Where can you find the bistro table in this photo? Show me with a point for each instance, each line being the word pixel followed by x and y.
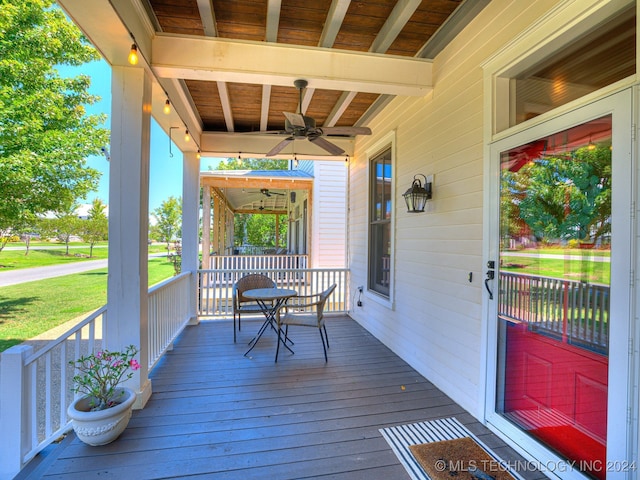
pixel 270 300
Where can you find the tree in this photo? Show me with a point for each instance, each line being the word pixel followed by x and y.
pixel 96 227
pixel 252 164
pixel 65 225
pixel 568 199
pixel 168 221
pixel 45 134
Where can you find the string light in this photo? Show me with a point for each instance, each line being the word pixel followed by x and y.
pixel 167 107
pixel 187 137
pixel 198 154
pixel 133 54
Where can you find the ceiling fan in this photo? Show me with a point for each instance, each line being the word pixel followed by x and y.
pixel 297 125
pixel 266 192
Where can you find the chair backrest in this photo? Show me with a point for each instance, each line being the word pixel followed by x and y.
pixel 249 282
pixel 323 300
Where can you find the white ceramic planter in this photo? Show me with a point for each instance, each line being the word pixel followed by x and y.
pixel 103 426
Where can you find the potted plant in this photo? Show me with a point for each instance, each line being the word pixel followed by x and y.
pixel 102 414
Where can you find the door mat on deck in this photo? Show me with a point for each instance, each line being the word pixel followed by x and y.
pixel 444 449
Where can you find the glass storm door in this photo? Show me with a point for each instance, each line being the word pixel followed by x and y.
pixel 560 243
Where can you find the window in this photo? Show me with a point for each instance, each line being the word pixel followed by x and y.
pixel 599 57
pixel 380 215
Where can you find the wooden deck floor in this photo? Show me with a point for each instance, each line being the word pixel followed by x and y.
pixel 217 414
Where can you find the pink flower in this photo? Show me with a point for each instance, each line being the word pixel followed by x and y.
pixel 134 364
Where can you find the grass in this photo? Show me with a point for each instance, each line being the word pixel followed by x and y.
pixel 16 259
pixel 569 269
pixel 55 254
pixel 29 309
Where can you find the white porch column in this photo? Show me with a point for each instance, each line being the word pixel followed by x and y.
pixel 190 216
pixel 206 227
pixel 127 292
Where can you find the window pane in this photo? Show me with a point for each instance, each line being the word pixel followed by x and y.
pixel 380 224
pixel 553 300
pixel 380 262
pixel 599 58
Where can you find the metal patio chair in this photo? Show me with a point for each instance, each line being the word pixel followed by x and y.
pixel 305 311
pixel 241 304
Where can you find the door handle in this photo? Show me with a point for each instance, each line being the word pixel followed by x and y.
pixel 490 276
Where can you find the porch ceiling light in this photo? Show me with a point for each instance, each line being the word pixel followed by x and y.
pixel 133 54
pixel 417 195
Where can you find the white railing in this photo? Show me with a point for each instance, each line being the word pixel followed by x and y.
pixel 576 312
pixel 168 314
pixel 35 384
pixel 35 391
pixel 257 262
pixel 215 287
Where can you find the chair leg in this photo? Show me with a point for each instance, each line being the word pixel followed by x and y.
pixel 324 347
pixel 324 326
pixel 234 327
pixel 278 342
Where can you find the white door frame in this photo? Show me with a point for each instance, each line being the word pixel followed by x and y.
pixel 621 384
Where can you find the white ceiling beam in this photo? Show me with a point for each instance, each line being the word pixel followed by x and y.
pixel 226 105
pixel 215 59
pixel 307 94
pixel 333 22
pixel 205 7
pixel 341 105
pixel 396 21
pixel 271 35
pixel 264 108
pixel 273 20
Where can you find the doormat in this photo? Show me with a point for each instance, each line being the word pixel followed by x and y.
pixel 402 437
pixel 461 458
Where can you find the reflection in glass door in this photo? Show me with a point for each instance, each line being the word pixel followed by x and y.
pixel 554 290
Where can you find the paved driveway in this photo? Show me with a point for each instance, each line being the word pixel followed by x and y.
pixel 13 277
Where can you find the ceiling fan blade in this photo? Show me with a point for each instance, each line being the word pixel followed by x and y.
pixel 295 119
pixel 266 132
pixel 346 130
pixel 326 145
pixel 275 150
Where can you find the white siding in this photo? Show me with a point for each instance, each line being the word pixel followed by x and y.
pixel 436 321
pixel 328 230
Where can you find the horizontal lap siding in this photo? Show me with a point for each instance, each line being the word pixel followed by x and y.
pixel 329 229
pixel 436 321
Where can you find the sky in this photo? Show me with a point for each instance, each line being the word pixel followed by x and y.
pixel 165 173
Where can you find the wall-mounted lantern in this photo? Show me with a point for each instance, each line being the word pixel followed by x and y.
pixel 417 196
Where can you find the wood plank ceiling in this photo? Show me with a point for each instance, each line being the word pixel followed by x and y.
pixel 389 27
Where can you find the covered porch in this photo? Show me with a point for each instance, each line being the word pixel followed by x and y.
pixel 217 414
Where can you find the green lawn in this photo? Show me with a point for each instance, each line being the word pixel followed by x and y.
pixel 16 259
pixel 28 309
pixel 55 254
pixel 583 269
